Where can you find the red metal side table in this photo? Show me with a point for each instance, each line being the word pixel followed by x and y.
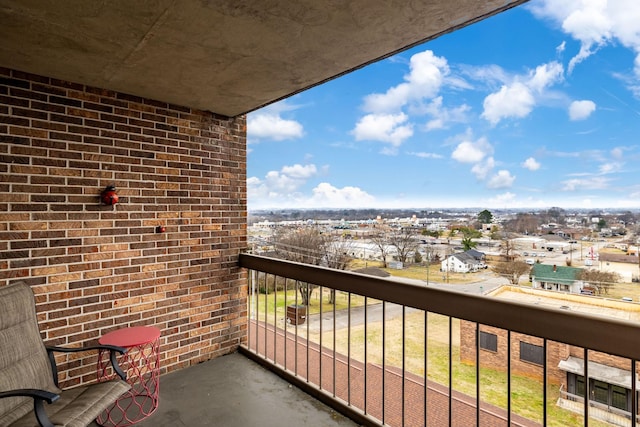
pixel 141 362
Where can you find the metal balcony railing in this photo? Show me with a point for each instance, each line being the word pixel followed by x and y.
pixel 388 353
pixel 607 413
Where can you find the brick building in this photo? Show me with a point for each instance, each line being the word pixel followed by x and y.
pixel 609 376
pixel 96 267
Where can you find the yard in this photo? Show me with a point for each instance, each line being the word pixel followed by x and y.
pixel 526 393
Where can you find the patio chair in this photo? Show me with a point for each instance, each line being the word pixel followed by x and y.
pixel 29 376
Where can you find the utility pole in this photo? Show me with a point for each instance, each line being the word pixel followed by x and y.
pixel 428 266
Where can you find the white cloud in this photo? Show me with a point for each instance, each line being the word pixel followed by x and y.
pixel 580 110
pixel 492 74
pixel 518 98
pixel 299 171
pixel 482 169
pixel 442 116
pixel 425 155
pixel 326 195
pixel 531 164
pixel 472 152
pixel 617 153
pixel 390 128
pixel 504 199
pixel 595 23
pixel 608 168
pixel 593 183
pixel 503 179
pixel 545 75
pixel 510 101
pixel 426 76
pixel 277 184
pixel 268 125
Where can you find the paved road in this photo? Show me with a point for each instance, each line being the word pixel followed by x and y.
pixel 375 311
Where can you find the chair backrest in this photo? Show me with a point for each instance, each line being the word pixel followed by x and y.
pixel 23 358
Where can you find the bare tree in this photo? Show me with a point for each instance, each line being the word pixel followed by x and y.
pixel 507 250
pixel 511 270
pixel 310 246
pixel 405 242
pixel 523 223
pixel 381 240
pixel 304 245
pixel 337 257
pixel 601 280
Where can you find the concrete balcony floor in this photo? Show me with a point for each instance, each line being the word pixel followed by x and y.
pixel 234 391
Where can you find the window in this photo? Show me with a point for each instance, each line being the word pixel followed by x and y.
pixel 531 353
pixel 619 398
pixel 579 385
pixel 488 341
pixel 602 392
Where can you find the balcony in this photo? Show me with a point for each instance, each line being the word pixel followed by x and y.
pixel 233 391
pixel 411 329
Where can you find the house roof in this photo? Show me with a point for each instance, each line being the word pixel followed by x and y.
pixel 475 253
pixel 466 258
pixel 225 56
pixel 554 274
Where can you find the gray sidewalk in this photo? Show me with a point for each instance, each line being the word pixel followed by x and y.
pixel 234 391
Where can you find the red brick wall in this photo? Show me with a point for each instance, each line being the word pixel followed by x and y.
pixel 498 360
pixel 556 352
pixel 95 268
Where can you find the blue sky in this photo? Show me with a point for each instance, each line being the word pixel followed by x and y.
pixel 533 108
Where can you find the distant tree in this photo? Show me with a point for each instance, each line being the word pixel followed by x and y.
pixel 627 217
pixel 468 244
pixel 469 232
pixel 304 245
pixel 495 233
pixel 431 233
pixel 602 223
pixel 507 250
pixel 485 217
pixel 527 223
pixel 511 270
pixel 601 280
pixel 405 242
pixel 555 214
pixel 381 240
pixel 337 256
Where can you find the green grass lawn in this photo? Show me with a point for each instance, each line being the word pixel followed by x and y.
pixel 280 300
pixel 526 393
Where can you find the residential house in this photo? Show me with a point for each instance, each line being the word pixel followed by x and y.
pixel 464 262
pixel 556 278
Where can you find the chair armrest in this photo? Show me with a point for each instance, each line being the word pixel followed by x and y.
pixel 35 393
pixel 39 397
pixel 113 351
pixel 120 350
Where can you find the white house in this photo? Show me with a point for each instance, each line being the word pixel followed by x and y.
pixel 464 262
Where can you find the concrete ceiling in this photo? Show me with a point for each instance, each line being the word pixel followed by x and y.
pixel 226 56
